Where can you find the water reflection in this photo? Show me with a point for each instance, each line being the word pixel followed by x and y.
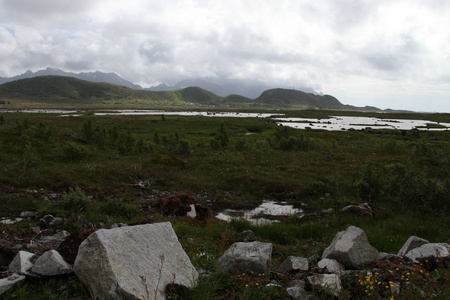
pixel 334 123
pixel 260 214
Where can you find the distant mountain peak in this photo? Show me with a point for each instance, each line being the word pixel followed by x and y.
pixel 96 76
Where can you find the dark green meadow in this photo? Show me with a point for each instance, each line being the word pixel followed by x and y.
pixel 237 163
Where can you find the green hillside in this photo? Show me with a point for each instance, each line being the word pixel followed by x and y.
pixel 58 91
pixel 285 98
pixel 66 90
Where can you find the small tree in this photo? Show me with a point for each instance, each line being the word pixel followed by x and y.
pixel 2 119
pixel 222 136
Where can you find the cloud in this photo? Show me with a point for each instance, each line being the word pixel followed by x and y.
pixel 344 48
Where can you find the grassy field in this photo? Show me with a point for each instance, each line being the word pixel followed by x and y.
pixel 236 162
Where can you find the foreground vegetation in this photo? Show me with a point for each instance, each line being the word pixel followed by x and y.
pixel 105 168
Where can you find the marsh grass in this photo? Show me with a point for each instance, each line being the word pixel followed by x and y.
pixel 407 178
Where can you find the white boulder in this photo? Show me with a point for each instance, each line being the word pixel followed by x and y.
pixel 134 262
pixel 22 263
pixel 429 250
pixel 352 249
pixel 249 258
pixel 412 243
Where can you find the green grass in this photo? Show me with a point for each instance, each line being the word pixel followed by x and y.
pixel 406 177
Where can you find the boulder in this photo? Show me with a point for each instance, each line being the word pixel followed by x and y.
pixel 249 258
pixel 293 263
pixel 412 243
pixel 22 263
pixel 133 262
pixel 351 248
pixel 332 265
pixel 51 263
pixel 429 250
pixel 10 281
pixel 331 283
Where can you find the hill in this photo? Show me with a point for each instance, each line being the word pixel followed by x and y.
pixel 286 98
pixel 59 90
pixel 96 76
pixel 64 90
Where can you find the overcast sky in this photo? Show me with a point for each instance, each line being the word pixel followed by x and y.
pixel 385 53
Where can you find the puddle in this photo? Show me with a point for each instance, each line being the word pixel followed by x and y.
pixel 358 123
pixel 258 216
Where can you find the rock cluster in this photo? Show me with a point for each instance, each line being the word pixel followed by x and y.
pixel 349 252
pixel 140 261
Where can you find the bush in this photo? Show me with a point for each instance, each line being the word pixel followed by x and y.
pixel 74 200
pixel 74 152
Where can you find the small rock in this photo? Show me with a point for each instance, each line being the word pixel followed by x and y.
pixel 22 262
pixel 36 229
pixel 332 265
pixel 57 222
pixel 330 282
pixel 248 235
pixel 293 263
pixel 412 243
pixel 51 263
pixel 298 293
pixel 7 283
pixel 28 214
pixel 47 219
pixel 360 209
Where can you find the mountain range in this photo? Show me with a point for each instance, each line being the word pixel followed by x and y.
pixel 221 87
pixel 56 86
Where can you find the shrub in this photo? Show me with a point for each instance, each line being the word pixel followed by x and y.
pixel 74 200
pixel 74 152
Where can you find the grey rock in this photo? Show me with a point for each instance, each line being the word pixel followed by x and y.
pixel 429 250
pixel 297 283
pixel 45 220
pixel 49 242
pixel 332 265
pixel 299 293
pixel 8 282
pixel 22 262
pixel 36 229
pixel 330 282
pixel 133 262
pixel 293 263
pixel 28 214
pixel 57 222
pixel 412 243
pixel 351 248
pixel 248 235
pixel 359 209
pixel 51 263
pixel 253 257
